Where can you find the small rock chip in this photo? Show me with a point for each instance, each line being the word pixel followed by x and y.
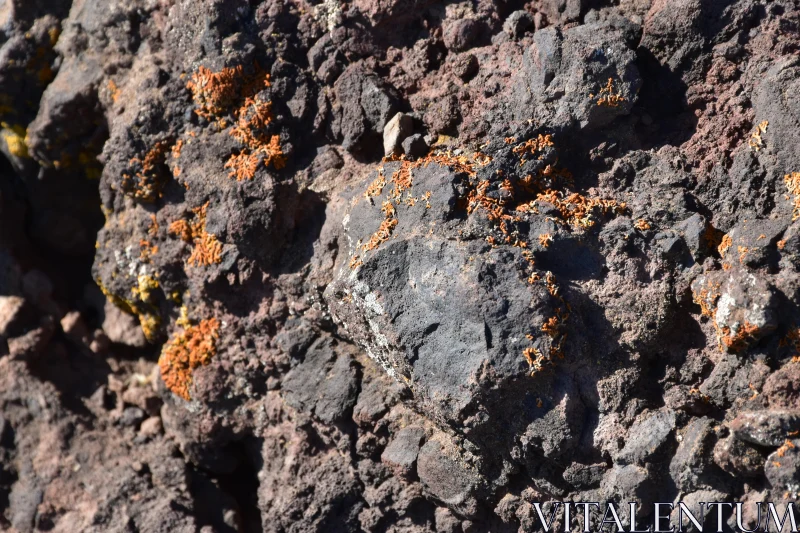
pixel 122 328
pixel 74 327
pixel 395 131
pixel 466 66
pixel 151 427
pixel 11 314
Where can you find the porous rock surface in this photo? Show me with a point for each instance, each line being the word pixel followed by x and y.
pixel 574 276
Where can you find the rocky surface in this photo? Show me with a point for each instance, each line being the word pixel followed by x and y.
pixel 395 266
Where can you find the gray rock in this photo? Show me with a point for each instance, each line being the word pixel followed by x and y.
pixel 565 77
pixel 395 131
pixel 783 467
pixel 415 146
pixel 461 34
pixel 738 458
pixel 402 451
pixel 31 345
pixel 446 477
pixel 629 483
pixel 766 428
pixel 23 502
pixel 367 104
pixel 324 384
pixel 518 23
pixel 583 476
pixel 647 437
pixel 132 416
pixel 691 463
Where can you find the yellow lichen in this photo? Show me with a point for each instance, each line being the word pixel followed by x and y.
pixel 15 138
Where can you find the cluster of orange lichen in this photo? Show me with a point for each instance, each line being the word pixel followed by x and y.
pixel 113 91
pixel 707 297
pixel 724 245
pixel 215 93
pixel 641 225
pixel 607 96
pixel 533 146
pixel 575 208
pixel 207 249
pixel 740 339
pixel 176 154
pixel 785 447
pixel 147 180
pixel 756 142
pixel 189 350
pixel 250 130
pixel 385 230
pixel 792 182
pixel 402 183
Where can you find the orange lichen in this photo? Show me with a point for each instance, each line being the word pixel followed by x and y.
pixel 113 91
pixel 641 225
pixel 534 358
pixel 253 118
pixel 551 326
pixel 756 142
pixel 243 166
pixel 376 187
pixel 607 96
pixel 147 250
pixel 575 208
pixel 725 245
pixel 743 250
pixel 785 447
pixel 740 339
pixel 792 340
pixel 545 239
pixel 147 181
pixel 189 350
pixel 382 235
pixel 793 184
pixel 707 298
pixel 182 229
pixel 176 149
pixel 207 249
pixel 214 92
pixel 534 146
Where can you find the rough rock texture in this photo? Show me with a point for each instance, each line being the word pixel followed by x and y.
pixel 573 276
